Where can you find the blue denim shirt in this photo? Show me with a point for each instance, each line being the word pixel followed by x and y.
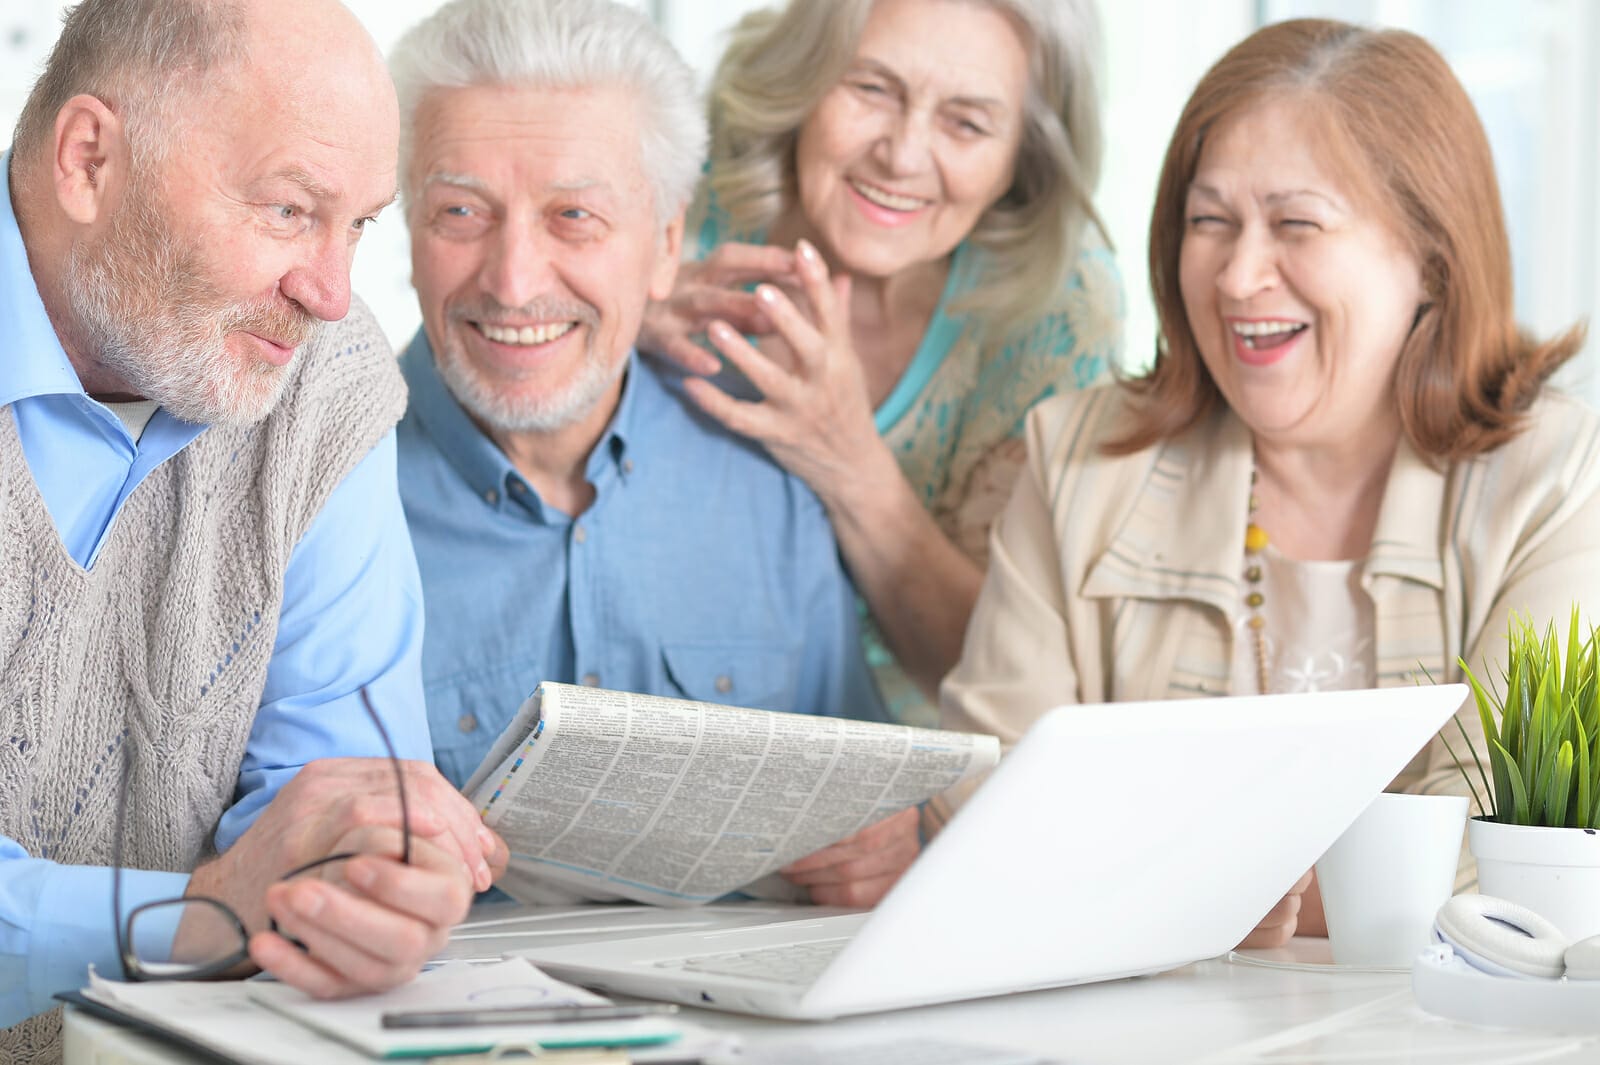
pixel 701 570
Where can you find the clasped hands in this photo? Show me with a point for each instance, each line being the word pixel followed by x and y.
pixel 370 923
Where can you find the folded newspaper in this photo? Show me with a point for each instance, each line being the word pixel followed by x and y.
pixel 678 803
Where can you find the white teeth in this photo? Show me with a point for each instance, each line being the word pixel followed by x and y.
pixel 1264 329
pixel 528 335
pixel 885 198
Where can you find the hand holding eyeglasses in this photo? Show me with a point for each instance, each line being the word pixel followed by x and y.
pixel 371 925
pixel 369 922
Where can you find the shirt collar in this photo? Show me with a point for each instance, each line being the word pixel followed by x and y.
pixel 475 457
pixel 1405 542
pixel 1200 482
pixel 35 363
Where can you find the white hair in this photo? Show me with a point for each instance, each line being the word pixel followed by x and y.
pixel 560 45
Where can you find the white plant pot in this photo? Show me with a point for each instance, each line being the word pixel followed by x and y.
pixel 1555 872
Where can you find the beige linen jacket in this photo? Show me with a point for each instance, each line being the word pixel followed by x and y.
pixel 1117 578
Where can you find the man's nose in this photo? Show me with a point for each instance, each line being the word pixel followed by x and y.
pixel 517 267
pixel 320 282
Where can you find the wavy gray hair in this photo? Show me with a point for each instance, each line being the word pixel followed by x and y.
pixel 780 63
pixel 137 57
pixel 560 44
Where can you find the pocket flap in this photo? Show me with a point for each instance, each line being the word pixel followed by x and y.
pixel 763 676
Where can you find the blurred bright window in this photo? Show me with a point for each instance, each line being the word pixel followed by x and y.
pixel 1532 67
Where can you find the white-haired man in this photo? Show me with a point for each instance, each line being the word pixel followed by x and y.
pixel 203 562
pixel 575 519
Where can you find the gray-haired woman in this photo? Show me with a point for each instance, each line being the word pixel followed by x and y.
pixel 908 182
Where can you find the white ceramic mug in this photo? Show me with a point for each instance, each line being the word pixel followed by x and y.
pixel 1383 881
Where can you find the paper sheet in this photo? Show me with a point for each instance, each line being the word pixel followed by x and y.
pixel 461 986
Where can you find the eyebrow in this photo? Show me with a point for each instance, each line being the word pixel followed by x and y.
pixel 478 185
pixel 457 181
pixel 1273 198
pixel 1276 198
pixel 302 179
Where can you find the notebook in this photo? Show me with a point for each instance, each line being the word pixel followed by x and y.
pixel 1113 841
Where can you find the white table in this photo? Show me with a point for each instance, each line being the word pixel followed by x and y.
pixel 1217 1012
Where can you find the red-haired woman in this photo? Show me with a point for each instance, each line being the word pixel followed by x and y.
pixel 1345 467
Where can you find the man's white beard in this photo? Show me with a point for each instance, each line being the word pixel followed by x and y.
pixel 526 414
pixel 148 313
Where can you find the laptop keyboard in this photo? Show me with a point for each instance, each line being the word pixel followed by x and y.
pixel 791 963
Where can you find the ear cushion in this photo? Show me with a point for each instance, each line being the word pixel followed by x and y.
pixel 1476 926
pixel 1583 959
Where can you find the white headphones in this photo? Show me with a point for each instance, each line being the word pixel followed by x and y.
pixel 1503 939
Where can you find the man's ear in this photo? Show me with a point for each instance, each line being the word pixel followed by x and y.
pixel 667 258
pixel 89 161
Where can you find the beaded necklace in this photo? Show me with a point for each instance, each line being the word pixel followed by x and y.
pixel 1255 542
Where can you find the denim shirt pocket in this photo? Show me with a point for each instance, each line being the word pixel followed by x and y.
pixel 467 711
pixel 760 675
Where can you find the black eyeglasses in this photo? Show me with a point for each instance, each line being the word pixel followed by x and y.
pixel 195 937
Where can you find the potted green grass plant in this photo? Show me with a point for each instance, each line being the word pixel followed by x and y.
pixel 1537 841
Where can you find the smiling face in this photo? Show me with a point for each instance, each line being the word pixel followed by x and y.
pixel 535 246
pixel 901 158
pixel 218 264
pixel 1299 296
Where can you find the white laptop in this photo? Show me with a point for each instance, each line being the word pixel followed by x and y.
pixel 1113 841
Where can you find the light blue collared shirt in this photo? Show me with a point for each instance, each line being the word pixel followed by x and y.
pixel 701 570
pixel 351 616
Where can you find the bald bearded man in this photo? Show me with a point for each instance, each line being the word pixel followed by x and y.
pixel 204 569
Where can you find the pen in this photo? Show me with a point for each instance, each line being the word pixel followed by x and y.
pixel 597 1011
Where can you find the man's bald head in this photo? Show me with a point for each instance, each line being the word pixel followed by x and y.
pixel 139 57
pixel 152 62
pixel 193 276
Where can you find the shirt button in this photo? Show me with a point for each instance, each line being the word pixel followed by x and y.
pixel 627 465
pixel 468 723
pixel 517 488
pixel 724 684
pixel 579 533
pixel 592 680
pixel 491 497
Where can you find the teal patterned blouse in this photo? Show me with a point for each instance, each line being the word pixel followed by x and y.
pixel 954 420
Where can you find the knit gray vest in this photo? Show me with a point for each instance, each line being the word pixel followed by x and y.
pixel 163 646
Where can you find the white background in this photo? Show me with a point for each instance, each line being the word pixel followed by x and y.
pixel 1532 66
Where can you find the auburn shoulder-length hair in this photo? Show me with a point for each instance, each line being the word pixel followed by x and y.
pixel 781 61
pixel 1410 144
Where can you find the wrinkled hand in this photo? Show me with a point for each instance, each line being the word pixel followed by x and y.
pixel 860 870
pixel 815 417
pixel 340 805
pixel 1280 923
pixel 710 290
pixel 369 927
